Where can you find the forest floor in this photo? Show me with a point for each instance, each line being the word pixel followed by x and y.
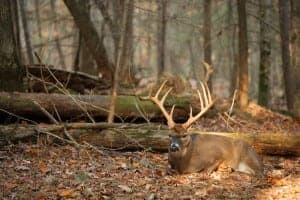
pixel 36 171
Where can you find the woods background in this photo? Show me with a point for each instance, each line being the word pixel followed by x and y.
pixel 252 46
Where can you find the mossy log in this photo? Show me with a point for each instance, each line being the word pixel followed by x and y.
pixel 142 136
pixel 78 106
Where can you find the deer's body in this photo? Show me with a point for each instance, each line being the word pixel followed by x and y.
pixel 197 153
pixel 194 152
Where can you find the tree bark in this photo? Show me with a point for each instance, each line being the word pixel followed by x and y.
pixel 207 37
pixel 26 32
pixel 265 53
pixel 161 36
pixel 284 14
pixel 84 61
pixel 11 74
pixel 142 136
pixel 91 37
pixel 243 54
pixel 295 53
pixel 233 49
pixel 38 19
pixel 127 50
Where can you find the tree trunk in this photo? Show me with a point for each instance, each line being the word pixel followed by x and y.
pixel 243 54
pixel 57 39
pixel 142 136
pixel 295 53
pixel 80 106
pixel 115 86
pixel 127 51
pixel 26 32
pixel 38 19
pixel 284 13
pixel 233 49
pixel 161 36
pixel 91 37
pixel 265 53
pixel 112 24
pixel 84 60
pixel 16 30
pixel 11 74
pixel 207 37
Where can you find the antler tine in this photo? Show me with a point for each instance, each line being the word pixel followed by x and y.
pixel 160 88
pixel 201 101
pixel 191 112
pixel 160 103
pixel 208 93
pixel 165 96
pixel 206 101
pixel 205 105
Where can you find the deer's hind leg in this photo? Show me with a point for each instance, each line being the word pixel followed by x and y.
pixel 214 166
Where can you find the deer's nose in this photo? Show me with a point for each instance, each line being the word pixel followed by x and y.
pixel 174 147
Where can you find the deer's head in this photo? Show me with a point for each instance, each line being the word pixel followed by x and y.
pixel 179 138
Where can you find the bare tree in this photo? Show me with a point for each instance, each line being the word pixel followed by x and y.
pixel 295 53
pixel 265 53
pixel 26 31
pixel 38 18
pixel 91 37
pixel 115 86
pixel 285 14
pixel 11 75
pixel 243 54
pixel 57 40
pixel 207 36
pixel 233 48
pixel 127 51
pixel 84 61
pixel 161 36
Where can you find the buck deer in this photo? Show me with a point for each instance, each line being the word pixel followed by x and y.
pixel 190 152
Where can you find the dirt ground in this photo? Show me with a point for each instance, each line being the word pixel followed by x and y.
pixel 36 171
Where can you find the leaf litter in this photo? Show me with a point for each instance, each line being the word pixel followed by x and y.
pixel 54 173
pixel 33 171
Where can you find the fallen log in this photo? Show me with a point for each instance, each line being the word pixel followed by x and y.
pixel 142 136
pixel 78 106
pixel 77 81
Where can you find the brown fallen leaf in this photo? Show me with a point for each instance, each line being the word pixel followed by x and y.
pixel 10 185
pixel 67 193
pixel 43 168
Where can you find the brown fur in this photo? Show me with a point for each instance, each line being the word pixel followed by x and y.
pixel 206 152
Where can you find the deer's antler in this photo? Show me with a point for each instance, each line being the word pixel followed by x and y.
pixel 205 105
pixel 160 104
pixel 206 102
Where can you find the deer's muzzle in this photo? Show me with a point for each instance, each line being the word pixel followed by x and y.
pixel 174 147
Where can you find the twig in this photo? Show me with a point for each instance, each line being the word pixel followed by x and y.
pixel 94 148
pixel 71 138
pixel 18 116
pixel 65 92
pixel 52 119
pixel 226 121
pixel 141 113
pixel 232 103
